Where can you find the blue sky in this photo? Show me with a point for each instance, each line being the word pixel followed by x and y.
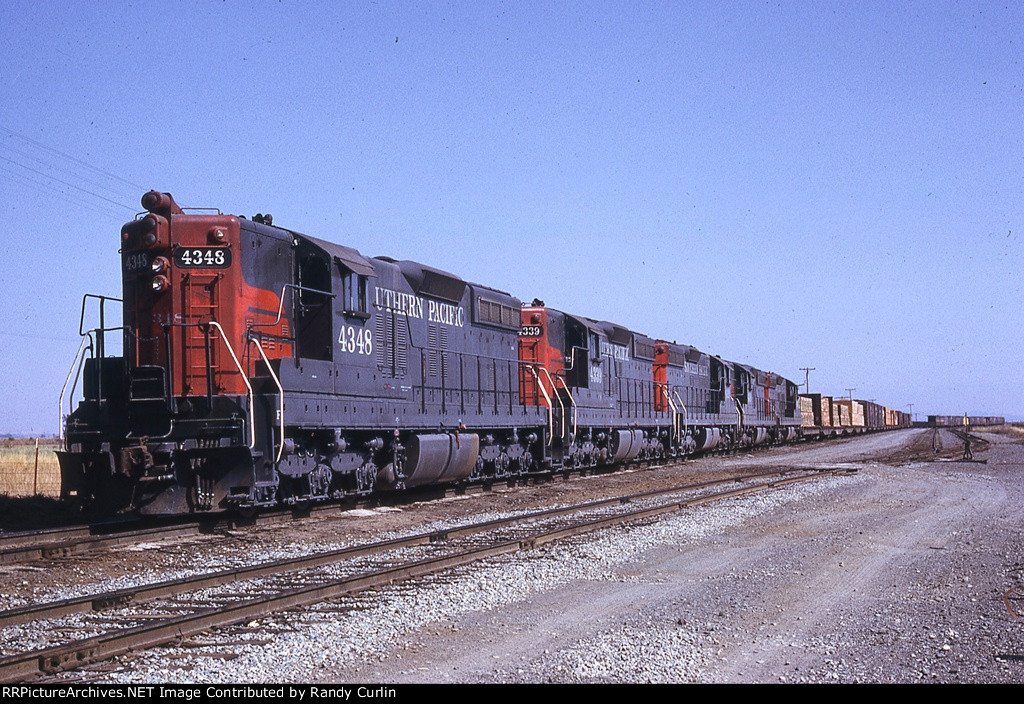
pixel 797 184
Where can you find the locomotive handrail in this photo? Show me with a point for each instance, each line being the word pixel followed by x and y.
pixel 95 346
pixel 102 300
pixel 98 344
pixel 241 372
pixel 76 364
pixel 280 308
pixel 81 318
pixel 686 425
pixel 569 393
pixel 675 411
pixel 572 357
pixel 280 450
pixel 557 398
pixel 551 417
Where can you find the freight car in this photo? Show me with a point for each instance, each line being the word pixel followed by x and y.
pixel 816 414
pixel 260 366
pixel 964 420
pixel 825 416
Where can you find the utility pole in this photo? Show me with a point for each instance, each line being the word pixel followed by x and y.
pixel 850 392
pixel 807 378
pixel 911 412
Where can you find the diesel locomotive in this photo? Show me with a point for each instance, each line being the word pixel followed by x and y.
pixel 259 366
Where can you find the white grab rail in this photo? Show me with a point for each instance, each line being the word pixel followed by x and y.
pixel 252 404
pixel 675 420
pixel 686 422
pixel 557 398
pixel 280 450
pixel 551 417
pixel 573 401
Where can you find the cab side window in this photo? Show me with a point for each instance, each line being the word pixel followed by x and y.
pixel 354 296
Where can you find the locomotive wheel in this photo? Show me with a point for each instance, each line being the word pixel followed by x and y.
pixel 501 463
pixel 478 469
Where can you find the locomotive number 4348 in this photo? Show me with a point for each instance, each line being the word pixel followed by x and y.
pixel 355 340
pixel 203 257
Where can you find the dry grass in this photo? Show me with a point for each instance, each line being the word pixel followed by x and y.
pixel 1014 431
pixel 22 474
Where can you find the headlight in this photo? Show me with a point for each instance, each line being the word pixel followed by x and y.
pixel 160 283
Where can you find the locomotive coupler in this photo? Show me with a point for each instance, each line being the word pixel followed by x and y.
pixel 135 459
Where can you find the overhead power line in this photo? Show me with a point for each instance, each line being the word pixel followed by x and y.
pixel 51 170
pixel 72 158
pixel 47 187
pixel 66 183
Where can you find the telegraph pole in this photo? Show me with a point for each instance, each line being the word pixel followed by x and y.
pixel 850 392
pixel 807 378
pixel 911 412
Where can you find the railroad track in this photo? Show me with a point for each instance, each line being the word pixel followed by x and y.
pixel 180 608
pixel 55 543
pixel 976 442
pixel 964 435
pixel 67 541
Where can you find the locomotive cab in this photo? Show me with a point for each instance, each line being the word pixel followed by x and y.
pixel 170 426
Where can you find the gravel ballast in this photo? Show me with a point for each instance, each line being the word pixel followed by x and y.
pixel 894 574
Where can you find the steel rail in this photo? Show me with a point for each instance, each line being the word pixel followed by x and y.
pixel 36 537
pixel 22 666
pixel 964 434
pixel 61 542
pixel 172 587
pixel 78 542
pixel 49 543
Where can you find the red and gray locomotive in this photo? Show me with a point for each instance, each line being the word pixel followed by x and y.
pixel 260 366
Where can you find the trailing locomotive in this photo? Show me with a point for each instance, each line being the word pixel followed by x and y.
pixel 261 366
